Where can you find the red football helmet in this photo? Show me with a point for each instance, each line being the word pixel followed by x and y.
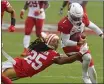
pixel 52 40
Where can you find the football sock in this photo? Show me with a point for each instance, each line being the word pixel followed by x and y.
pixel 92 74
pixel 26 41
pixel 85 64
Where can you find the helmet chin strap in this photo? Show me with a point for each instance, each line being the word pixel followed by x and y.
pixel 77 23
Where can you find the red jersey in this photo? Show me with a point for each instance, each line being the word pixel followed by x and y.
pixel 66 27
pixel 34 63
pixel 4 5
pixel 33 6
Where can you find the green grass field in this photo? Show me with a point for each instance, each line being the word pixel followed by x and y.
pixel 70 73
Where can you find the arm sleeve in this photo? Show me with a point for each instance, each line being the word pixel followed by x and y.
pixel 66 60
pixel 64 4
pixel 66 41
pixel 26 5
pixel 95 28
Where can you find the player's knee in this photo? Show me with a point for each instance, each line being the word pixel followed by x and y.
pixel 87 57
pixel 27 33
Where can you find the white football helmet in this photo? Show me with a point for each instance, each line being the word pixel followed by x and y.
pixel 75 13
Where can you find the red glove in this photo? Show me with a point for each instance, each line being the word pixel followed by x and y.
pixel 11 28
pixel 37 12
pixel 22 13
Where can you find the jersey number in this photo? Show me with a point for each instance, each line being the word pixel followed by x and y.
pixel 33 3
pixel 37 64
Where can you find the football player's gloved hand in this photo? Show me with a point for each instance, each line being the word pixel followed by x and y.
pixel 61 11
pixel 84 48
pixel 11 28
pixel 22 13
pixel 81 42
pixel 102 36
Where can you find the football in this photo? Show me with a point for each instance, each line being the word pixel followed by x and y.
pixel 77 36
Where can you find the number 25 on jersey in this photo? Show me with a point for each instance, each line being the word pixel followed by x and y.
pixel 35 60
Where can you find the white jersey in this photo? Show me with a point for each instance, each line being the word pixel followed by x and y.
pixel 77 1
pixel 34 6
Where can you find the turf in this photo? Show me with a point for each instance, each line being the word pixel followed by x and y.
pixel 70 73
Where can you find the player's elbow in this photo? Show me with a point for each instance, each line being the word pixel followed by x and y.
pixel 67 43
pixel 13 13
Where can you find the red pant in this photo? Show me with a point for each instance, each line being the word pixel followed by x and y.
pixel 5 80
pixel 31 22
pixel 70 49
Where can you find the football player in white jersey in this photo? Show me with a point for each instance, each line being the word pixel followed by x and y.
pixel 36 17
pixel 75 22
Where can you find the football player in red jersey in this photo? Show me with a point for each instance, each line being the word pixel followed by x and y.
pixel 5 6
pixel 75 22
pixel 42 55
pixel 36 17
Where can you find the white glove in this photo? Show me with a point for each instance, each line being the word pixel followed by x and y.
pixel 84 48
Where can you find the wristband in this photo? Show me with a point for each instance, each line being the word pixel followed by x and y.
pixel 13 21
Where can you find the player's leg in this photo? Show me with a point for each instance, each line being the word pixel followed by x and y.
pixel 29 23
pixel 8 70
pixel 10 73
pixel 39 25
pixel 5 80
pixel 92 72
pixel 85 64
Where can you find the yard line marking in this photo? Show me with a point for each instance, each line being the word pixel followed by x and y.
pixel 73 77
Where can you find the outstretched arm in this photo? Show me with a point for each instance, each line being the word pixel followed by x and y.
pixel 66 60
